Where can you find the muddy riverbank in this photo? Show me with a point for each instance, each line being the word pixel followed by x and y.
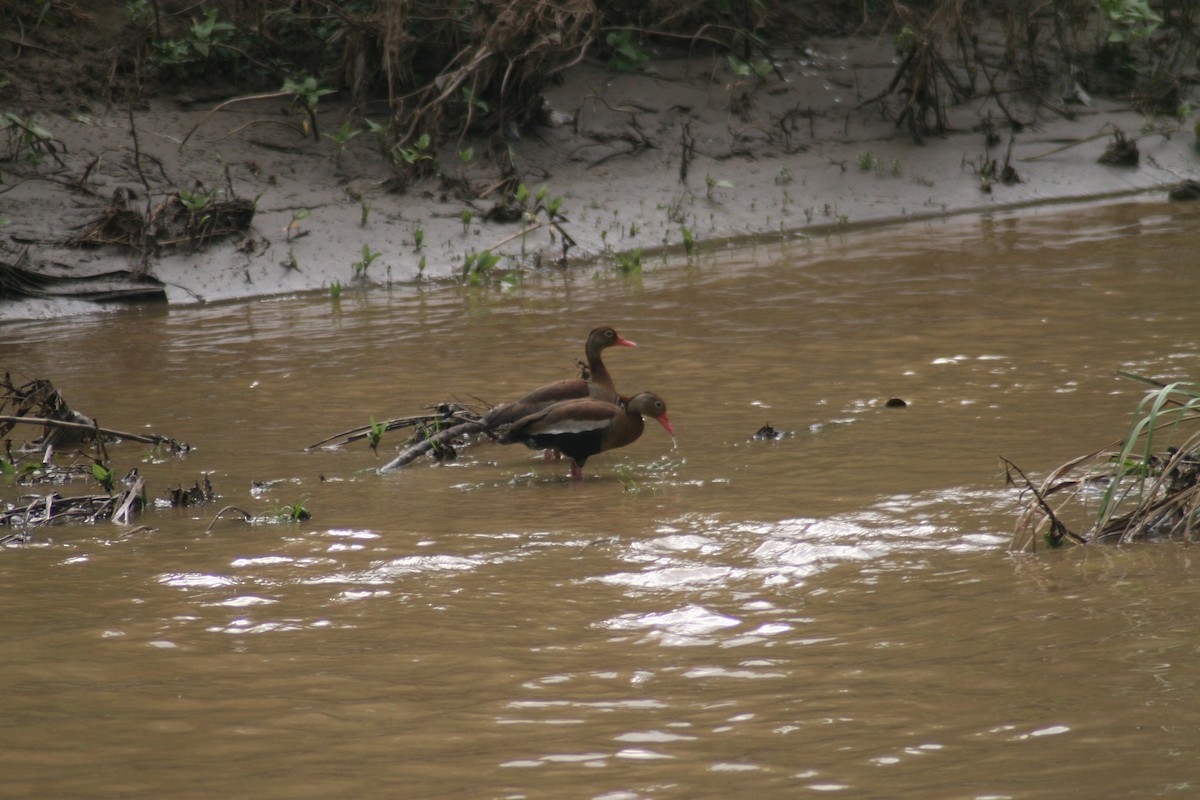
pixel 640 161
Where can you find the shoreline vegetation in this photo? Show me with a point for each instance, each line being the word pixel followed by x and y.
pixel 157 151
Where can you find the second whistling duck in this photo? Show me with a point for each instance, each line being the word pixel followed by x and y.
pixel 582 428
pixel 599 386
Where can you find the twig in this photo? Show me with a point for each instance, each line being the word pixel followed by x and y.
pixel 245 517
pixel 268 96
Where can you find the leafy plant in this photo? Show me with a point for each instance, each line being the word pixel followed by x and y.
pixel 368 258
pixel 375 434
pixel 335 290
pixel 479 263
pixel 743 69
pixel 630 261
pixel 294 512
pixel 341 138
pixel 711 184
pixel 626 55
pixel 298 216
pixel 689 241
pixel 104 475
pixel 418 237
pixel 466 216
pixel 1130 19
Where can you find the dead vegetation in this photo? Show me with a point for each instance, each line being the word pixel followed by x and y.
pixel 64 448
pixel 1138 489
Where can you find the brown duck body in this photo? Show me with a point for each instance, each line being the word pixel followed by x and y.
pixel 584 427
pixel 599 386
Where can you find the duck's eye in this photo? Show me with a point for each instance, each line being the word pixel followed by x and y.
pixel 610 333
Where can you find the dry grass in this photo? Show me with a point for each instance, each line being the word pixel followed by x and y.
pixel 1135 489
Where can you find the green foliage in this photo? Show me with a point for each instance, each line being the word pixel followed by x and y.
pixel 478 264
pixel 1164 408
pixel 466 216
pixel 626 55
pixel 298 216
pixel 341 138
pixel 689 241
pixel 375 434
pixel 742 69
pixel 335 290
pixel 206 39
pixel 104 475
pixel 418 237
pixel 711 184
pixel 630 262
pixel 368 258
pixel 293 513
pixel 1131 19
pixel 306 90
pixel 26 134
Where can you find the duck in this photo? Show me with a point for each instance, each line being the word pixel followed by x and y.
pixel 582 428
pixel 597 386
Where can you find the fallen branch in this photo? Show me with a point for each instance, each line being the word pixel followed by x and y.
pixel 136 437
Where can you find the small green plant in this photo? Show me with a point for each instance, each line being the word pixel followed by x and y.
pixel 335 290
pixel 1130 19
pixel 743 69
pixel 477 264
pixel 368 258
pixel 27 134
pixel 341 138
pixel 689 241
pixel 293 513
pixel 375 434
pixel 418 156
pixel 418 237
pixel 627 480
pixel 466 216
pixel 474 103
pixel 190 56
pixel 306 90
pixel 104 475
pixel 631 261
pixel 867 161
pixel 298 216
pixel 421 266
pixel 290 262
pixel 626 55
pixel 711 184
pixel 466 155
pixel 364 210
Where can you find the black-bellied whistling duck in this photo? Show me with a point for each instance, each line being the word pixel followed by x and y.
pixel 598 386
pixel 582 428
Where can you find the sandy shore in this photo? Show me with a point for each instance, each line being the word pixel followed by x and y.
pixel 790 156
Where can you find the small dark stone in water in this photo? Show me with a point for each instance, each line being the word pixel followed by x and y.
pixel 895 402
pixel 1188 190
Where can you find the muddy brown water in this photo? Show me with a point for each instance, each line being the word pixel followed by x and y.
pixel 832 613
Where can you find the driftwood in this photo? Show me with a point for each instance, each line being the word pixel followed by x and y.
pixel 151 438
pixel 443 414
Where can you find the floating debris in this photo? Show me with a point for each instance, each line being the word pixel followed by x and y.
pixel 1139 493
pixel 895 402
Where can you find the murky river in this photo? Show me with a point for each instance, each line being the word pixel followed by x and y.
pixel 832 613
